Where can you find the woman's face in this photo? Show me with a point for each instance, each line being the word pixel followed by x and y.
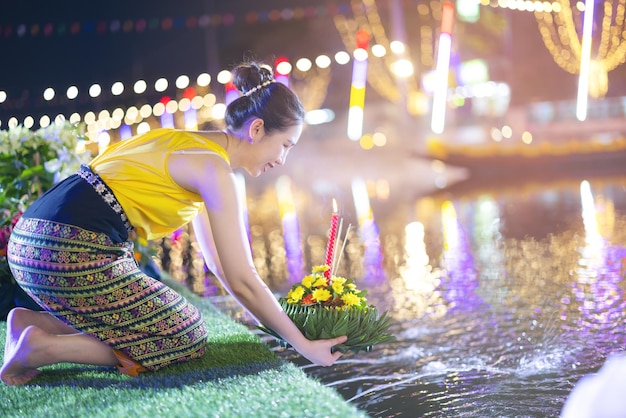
pixel 269 150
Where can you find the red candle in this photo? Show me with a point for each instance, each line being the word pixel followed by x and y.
pixel 332 236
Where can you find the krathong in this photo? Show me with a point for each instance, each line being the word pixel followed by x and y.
pixel 323 305
pixel 325 308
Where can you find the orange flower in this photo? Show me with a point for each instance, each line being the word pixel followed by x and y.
pixel 308 300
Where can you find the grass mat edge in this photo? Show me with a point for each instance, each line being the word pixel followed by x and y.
pixel 238 376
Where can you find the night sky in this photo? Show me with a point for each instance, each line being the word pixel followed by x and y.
pixel 93 53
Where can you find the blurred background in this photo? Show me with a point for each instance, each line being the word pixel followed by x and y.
pixel 440 79
pixel 476 148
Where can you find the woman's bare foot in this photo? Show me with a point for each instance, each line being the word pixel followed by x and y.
pixel 15 327
pixel 29 352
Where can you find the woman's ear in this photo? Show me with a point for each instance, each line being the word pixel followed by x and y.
pixel 256 131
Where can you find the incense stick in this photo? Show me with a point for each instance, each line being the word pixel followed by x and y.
pixel 343 246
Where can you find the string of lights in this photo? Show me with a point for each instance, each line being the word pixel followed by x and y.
pixel 558 28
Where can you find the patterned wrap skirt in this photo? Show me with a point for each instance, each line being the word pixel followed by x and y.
pixel 95 286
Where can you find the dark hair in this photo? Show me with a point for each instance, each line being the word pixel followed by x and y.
pixel 275 103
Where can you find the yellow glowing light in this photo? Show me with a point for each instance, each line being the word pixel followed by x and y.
pixel 161 84
pixel 224 77
pixel 284 67
pixel 89 117
pixel 197 102
pixel 143 127
pixel 104 114
pixel 304 64
pixel 379 139
pixel 203 80
pixel 72 92
pixel 140 86
pixel 379 50
pixel 496 134
pixel 117 114
pixel 170 107
pixel 209 100
pixel 158 109
pixel 284 193
pixel 402 68
pixel 29 121
pixel 450 226
pixel 48 94
pixel 323 61
pixel 218 111
pixel 557 23
pixel 117 88
pixel 182 82
pixel 527 137
pixel 104 139
pixel 360 54
pixel 95 90
pixel 366 142
pixel 342 57
pixel 397 47
pixel 184 104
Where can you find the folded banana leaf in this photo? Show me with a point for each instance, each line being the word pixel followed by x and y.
pixel 363 326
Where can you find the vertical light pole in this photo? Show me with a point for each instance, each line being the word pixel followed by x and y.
pixel 357 88
pixel 585 56
pixel 440 94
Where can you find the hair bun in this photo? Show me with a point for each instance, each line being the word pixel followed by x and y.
pixel 249 75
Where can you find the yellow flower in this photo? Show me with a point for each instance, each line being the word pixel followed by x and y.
pixel 350 299
pixel 351 286
pixel 308 281
pixel 321 295
pixel 337 287
pixel 340 280
pixel 295 295
pixel 321 282
pixel 320 269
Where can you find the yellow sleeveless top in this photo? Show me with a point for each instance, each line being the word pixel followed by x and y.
pixel 136 170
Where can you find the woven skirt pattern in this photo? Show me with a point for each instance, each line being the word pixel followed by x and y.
pixel 96 286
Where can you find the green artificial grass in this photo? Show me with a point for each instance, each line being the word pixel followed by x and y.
pixel 239 376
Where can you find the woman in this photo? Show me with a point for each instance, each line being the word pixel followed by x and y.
pixel 71 252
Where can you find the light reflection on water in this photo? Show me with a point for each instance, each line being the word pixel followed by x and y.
pixel 501 301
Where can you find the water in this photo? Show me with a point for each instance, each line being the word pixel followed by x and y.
pixel 502 299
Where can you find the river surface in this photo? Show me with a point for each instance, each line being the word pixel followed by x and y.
pixel 502 298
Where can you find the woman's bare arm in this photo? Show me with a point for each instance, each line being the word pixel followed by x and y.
pixel 225 234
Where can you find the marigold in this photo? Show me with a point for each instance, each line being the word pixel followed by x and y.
pixel 321 282
pixel 321 294
pixel 295 295
pixel 350 299
pixel 307 281
pixel 337 287
pixel 338 279
pixel 320 269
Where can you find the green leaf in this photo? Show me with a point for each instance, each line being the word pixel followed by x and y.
pixel 364 327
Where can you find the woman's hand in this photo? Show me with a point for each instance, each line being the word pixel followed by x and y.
pixel 319 351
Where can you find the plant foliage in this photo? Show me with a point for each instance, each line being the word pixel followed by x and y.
pixel 330 307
